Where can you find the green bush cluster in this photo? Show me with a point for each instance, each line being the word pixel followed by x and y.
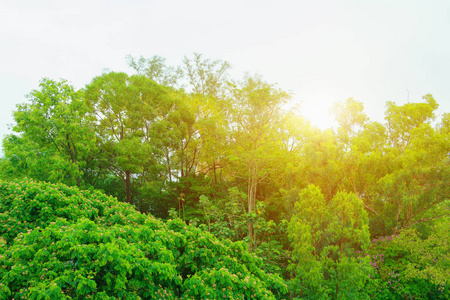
pixel 62 243
pixel 408 267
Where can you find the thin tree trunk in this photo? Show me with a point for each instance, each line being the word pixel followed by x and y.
pixel 251 190
pixel 168 166
pixel 128 186
pixel 215 176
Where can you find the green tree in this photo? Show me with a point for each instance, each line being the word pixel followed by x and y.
pixel 156 69
pixel 199 75
pixel 255 117
pixel 364 156
pixel 324 237
pixel 200 148
pixel 205 146
pixel 138 123
pixel 205 76
pixel 54 141
pixel 399 170
pixel 416 189
pixel 350 117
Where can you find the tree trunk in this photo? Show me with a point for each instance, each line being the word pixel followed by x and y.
pixel 215 176
pixel 168 166
pixel 128 186
pixel 251 191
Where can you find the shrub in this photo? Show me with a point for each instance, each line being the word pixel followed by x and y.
pixel 63 243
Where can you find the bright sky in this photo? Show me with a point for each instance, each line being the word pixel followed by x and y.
pixel 322 51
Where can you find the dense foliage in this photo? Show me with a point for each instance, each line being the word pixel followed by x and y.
pixel 325 237
pixel 62 243
pixel 228 165
pixel 408 266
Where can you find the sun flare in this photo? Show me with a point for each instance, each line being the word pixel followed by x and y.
pixel 319 114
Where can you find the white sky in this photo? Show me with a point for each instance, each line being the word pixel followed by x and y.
pixel 322 51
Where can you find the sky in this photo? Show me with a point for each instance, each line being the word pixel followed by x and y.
pixel 321 51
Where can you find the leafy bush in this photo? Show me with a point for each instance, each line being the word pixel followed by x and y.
pixel 227 218
pixel 63 243
pixel 407 266
pixel 324 237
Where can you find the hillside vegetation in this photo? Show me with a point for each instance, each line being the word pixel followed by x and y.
pixel 63 243
pixel 223 189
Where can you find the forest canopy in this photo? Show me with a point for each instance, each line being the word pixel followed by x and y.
pixel 341 213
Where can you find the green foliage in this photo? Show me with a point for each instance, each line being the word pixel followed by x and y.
pixel 63 243
pixel 139 124
pixel 255 112
pixel 324 237
pixel 188 190
pixel 54 140
pixel 408 266
pixel 232 159
pixel 417 187
pixel 351 118
pixel 198 74
pixel 156 69
pixel 206 76
pixel 227 218
pixel 402 120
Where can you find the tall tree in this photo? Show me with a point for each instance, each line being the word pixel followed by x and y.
pixel 205 144
pixel 156 69
pixel 255 117
pixel 135 120
pixel 198 75
pixel 417 190
pixel 205 82
pixel 400 169
pixel 205 76
pixel 364 157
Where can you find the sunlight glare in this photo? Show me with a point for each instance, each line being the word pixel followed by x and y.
pixel 319 114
